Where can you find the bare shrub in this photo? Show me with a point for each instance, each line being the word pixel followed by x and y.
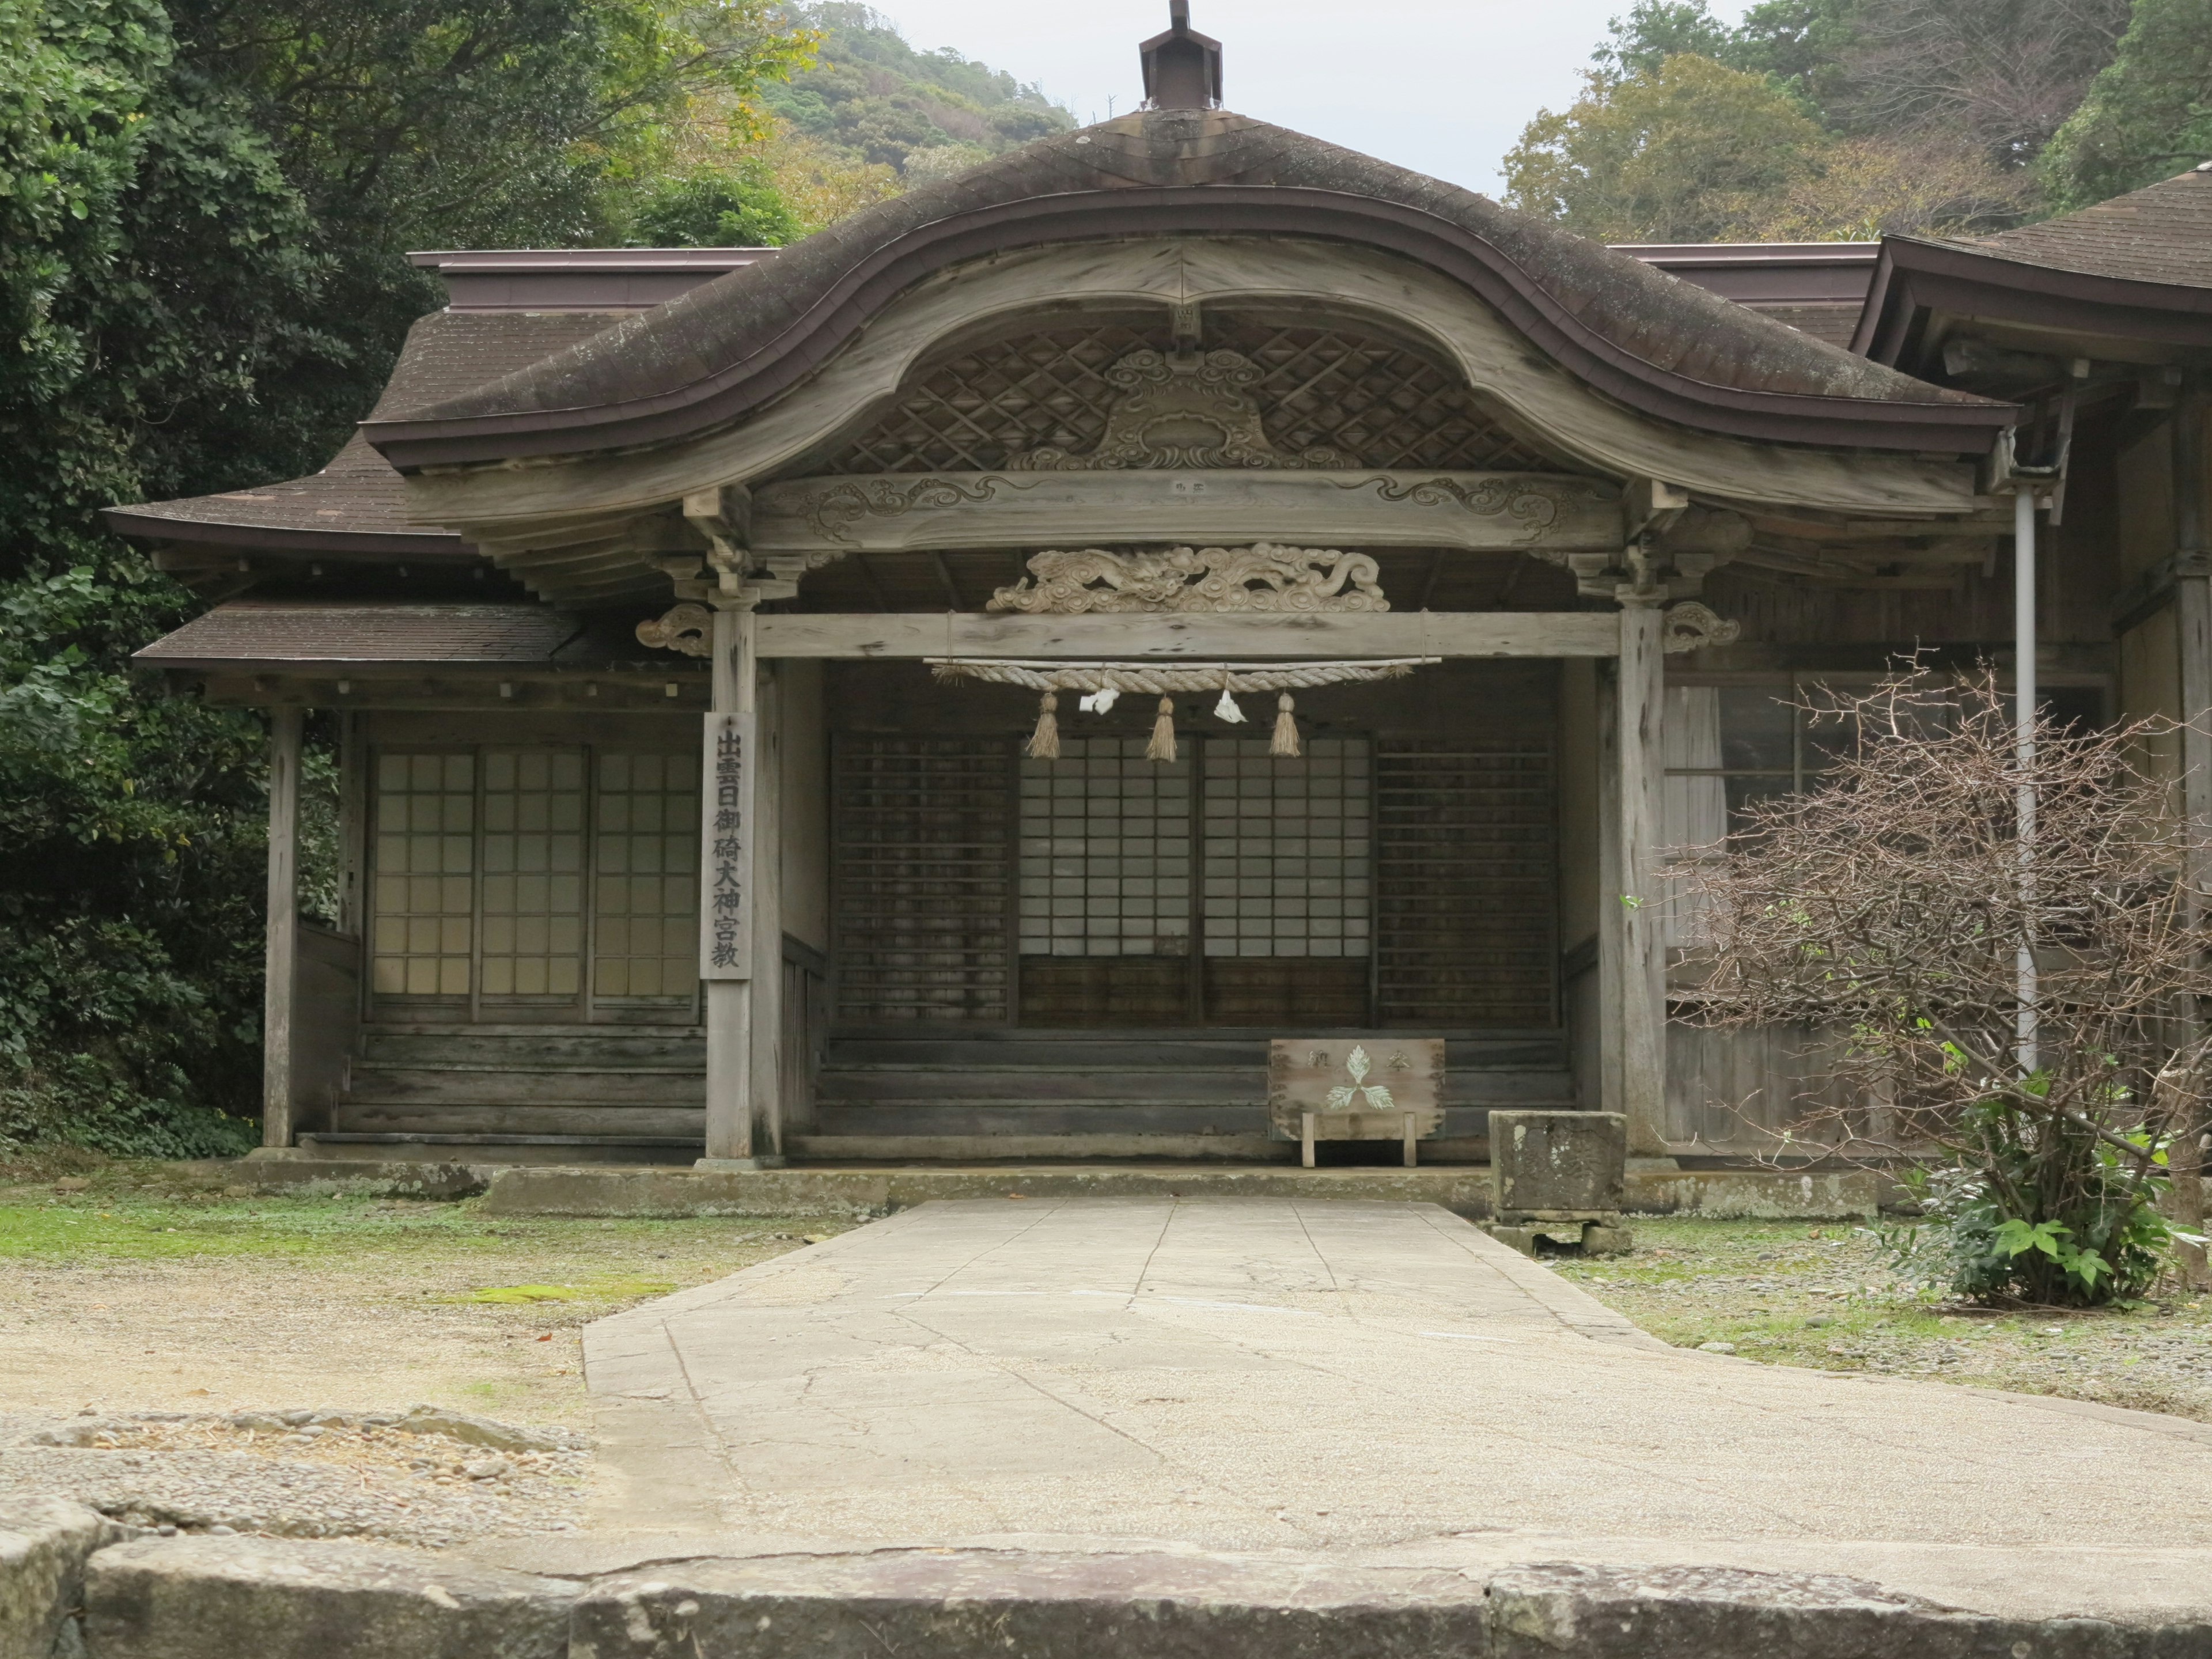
pixel 1890 906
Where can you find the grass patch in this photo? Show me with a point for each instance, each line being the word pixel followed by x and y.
pixel 123 1213
pixel 1823 1296
pixel 609 1287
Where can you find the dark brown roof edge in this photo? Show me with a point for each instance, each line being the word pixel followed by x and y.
pixel 140 525
pixel 1913 271
pixel 734 391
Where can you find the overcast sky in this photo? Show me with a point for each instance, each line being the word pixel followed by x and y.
pixel 1439 86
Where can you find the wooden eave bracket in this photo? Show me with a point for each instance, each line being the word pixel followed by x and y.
pixel 723 515
pixel 1668 547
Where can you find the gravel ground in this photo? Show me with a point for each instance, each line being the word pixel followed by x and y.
pixel 1827 1296
pixel 162 1329
pixel 384 1475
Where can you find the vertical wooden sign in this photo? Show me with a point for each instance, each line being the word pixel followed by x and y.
pixel 725 845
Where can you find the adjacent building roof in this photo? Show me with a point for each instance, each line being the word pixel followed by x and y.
pixel 251 635
pixel 2138 267
pixel 1816 288
pixel 507 309
pixel 1668 348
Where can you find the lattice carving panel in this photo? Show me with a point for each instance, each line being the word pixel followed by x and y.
pixel 967 414
pixel 1380 404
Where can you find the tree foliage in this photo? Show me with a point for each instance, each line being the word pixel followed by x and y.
pixel 1673 154
pixel 201 205
pixel 2147 115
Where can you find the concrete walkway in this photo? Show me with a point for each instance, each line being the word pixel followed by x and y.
pixel 1381 1383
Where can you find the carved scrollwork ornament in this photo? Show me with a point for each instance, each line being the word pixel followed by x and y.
pixel 831 511
pixel 688 629
pixel 1692 626
pixel 1263 577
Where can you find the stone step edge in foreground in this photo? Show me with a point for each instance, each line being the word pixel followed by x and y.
pixel 67 1588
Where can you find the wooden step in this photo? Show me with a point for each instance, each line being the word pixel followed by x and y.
pixel 998 1117
pixel 551 1118
pixel 1161 1051
pixel 1044 1148
pixel 1116 1087
pixel 495 1085
pixel 504 1148
pixel 629 1050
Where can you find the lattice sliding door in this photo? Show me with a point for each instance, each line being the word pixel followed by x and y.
pixel 1105 886
pixel 497 875
pixel 644 928
pixel 924 878
pixel 533 877
pixel 422 928
pixel 1288 865
pixel 1466 854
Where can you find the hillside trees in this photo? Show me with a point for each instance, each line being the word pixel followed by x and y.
pixel 1671 154
pixel 2147 117
pixel 202 207
pixel 1931 114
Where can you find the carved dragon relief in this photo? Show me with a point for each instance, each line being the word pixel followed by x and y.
pixel 1261 577
pixel 1179 410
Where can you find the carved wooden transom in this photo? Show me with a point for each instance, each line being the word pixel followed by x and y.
pixel 1261 577
pixel 1374 402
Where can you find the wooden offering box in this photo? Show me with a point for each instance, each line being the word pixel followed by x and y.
pixel 1376 1087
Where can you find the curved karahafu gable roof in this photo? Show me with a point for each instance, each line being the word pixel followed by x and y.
pixel 719 353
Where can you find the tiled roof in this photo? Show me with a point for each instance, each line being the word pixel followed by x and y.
pixel 358 497
pixel 2160 233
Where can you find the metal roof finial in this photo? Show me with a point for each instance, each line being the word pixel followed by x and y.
pixel 1182 68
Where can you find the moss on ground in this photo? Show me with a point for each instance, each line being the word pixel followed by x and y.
pixel 1826 1295
pixel 127 1211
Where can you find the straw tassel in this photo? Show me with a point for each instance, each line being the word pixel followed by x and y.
pixel 1162 747
pixel 1286 744
pixel 1044 742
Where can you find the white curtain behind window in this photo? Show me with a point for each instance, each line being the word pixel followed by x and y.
pixel 1694 811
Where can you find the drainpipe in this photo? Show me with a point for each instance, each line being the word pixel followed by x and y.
pixel 2023 625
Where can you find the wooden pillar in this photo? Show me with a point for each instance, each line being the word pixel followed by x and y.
pixel 767 984
pixel 729 1000
pixel 1642 973
pixel 281 956
pixel 1611 912
pixel 2193 617
pixel 353 831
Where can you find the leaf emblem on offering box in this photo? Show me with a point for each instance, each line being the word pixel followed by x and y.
pixel 1375 1097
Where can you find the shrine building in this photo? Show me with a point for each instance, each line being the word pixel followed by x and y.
pixel 957 687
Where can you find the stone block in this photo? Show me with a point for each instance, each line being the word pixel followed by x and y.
pixel 1558 1610
pixel 256 1598
pixel 1553 1165
pixel 990 1605
pixel 44 1544
pixel 1600 1239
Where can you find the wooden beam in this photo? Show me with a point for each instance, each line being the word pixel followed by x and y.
pixel 281 956
pixel 904 513
pixel 1195 634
